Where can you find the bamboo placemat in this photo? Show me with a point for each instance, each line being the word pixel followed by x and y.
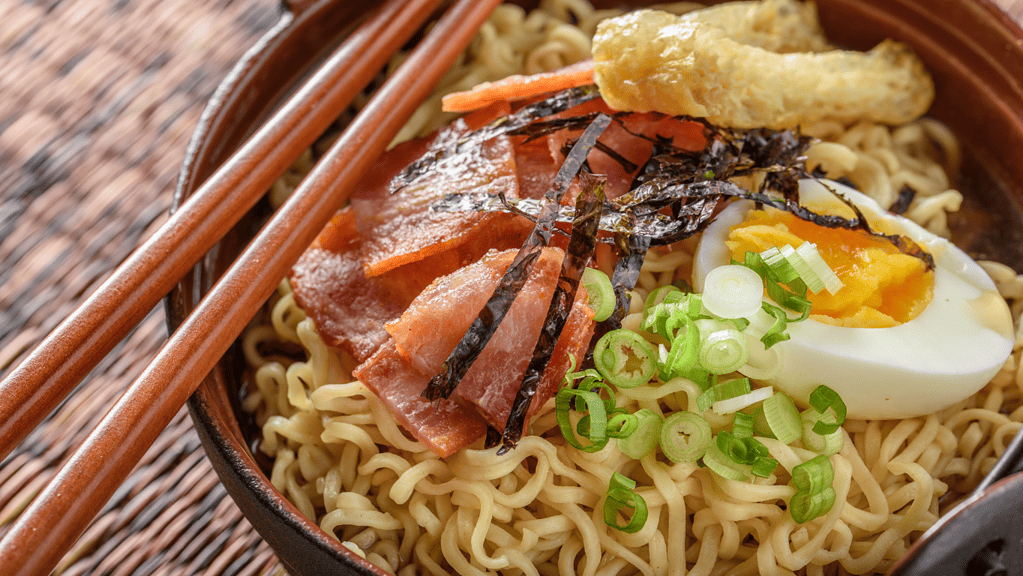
pixel 97 101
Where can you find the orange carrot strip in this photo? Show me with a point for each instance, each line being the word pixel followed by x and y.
pixel 520 87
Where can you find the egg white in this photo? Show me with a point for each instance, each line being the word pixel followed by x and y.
pixel 944 355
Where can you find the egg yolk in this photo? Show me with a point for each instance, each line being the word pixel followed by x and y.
pixel 883 286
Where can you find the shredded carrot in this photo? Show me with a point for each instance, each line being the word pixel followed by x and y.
pixel 520 87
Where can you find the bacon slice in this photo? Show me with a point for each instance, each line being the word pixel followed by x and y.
pixel 400 228
pixel 537 170
pixel 434 323
pixel 363 272
pixel 348 308
pixel 445 426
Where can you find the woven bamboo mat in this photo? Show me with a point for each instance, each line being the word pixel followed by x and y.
pixel 97 101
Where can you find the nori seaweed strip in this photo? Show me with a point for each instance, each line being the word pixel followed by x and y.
pixel 632 249
pixel 662 229
pixel 541 128
pixel 489 318
pixel 580 249
pixel 493 437
pixel 614 155
pixel 903 200
pixel 559 102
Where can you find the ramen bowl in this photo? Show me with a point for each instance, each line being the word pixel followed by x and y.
pixel 973 50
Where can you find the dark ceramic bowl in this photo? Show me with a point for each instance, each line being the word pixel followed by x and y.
pixel 974 51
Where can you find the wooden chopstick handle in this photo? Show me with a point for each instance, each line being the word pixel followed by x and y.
pixel 58 516
pixel 77 345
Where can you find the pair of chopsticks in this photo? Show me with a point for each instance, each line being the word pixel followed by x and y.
pixel 48 528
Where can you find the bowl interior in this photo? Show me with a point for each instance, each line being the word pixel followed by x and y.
pixel 972 49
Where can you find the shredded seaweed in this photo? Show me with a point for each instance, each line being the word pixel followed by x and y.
pixel 493 437
pixel 661 228
pixel 632 249
pixel 589 204
pixel 512 123
pixel 903 200
pixel 674 195
pixel 490 317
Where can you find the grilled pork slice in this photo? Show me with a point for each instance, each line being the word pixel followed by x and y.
pixel 434 323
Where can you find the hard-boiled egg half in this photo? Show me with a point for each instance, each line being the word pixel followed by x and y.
pixel 947 348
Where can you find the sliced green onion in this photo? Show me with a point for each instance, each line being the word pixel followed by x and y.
pixel 625 358
pixel 827 444
pixel 776 333
pixel 822 399
pixel 793 297
pixel 698 375
pixel 600 292
pixel 657 296
pixel 724 466
pixel 803 270
pixel 729 405
pixel 739 323
pixel 622 425
pixel 740 450
pixel 588 376
pixel 805 506
pixel 763 466
pixel 691 305
pixel 808 251
pixel 621 496
pixel 666 316
pixel 742 425
pixel 645 438
pixel 760 425
pixel 745 451
pixel 594 382
pixel 685 348
pixel 597 425
pixel 780 268
pixel 685 437
pixel 722 350
pixel 799 304
pixel 725 390
pixel 733 291
pixel 782 418
pixel 814 475
pixel 756 263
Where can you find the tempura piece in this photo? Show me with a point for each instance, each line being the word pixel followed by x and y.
pixel 654 61
pixel 775 25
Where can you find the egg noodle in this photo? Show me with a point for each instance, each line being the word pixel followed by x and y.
pixel 340 457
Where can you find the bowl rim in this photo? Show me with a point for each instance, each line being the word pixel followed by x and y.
pixel 211 408
pixel 218 429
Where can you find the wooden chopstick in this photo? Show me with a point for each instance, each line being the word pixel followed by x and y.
pixel 77 345
pixel 61 512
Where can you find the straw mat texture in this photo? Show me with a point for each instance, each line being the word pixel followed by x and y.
pixel 98 99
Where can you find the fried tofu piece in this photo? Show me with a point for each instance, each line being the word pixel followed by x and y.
pixel 780 26
pixel 654 61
